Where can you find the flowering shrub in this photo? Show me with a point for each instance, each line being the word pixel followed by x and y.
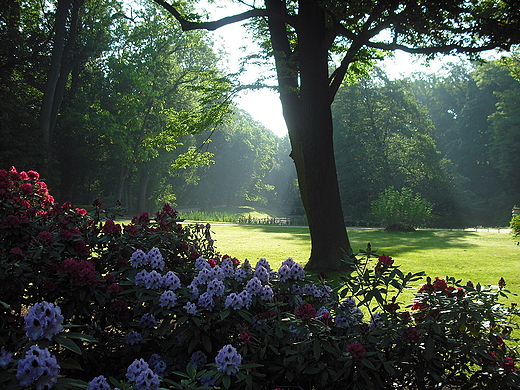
pixel 150 305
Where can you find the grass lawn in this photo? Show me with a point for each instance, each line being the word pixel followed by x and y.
pixel 482 257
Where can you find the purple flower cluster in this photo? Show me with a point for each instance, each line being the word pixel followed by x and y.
pixel 148 321
pixel 143 376
pixel 228 360
pixel 6 358
pixel 99 383
pixel 38 368
pixel 168 299
pixel 133 337
pixel 198 359
pixel 43 320
pixel 290 270
pixel 348 313
pixel 157 364
pixel 153 258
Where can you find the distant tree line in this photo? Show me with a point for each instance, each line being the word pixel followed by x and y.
pixel 453 137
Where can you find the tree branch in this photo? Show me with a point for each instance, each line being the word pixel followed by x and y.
pixel 213 25
pixel 434 49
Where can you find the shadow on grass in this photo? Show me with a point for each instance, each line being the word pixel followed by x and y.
pixel 407 242
pixel 400 242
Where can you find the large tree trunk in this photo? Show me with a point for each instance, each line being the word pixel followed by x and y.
pixel 308 116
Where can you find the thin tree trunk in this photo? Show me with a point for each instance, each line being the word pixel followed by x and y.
pixel 60 29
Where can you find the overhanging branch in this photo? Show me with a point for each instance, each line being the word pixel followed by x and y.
pixel 434 49
pixel 212 25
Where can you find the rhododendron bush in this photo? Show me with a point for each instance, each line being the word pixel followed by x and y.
pixel 87 303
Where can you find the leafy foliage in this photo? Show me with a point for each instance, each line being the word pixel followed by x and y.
pixel 401 210
pixel 138 307
pixel 515 225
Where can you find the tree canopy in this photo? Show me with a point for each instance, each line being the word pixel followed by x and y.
pixel 307 37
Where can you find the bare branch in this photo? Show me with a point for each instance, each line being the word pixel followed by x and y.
pixel 212 25
pixel 434 49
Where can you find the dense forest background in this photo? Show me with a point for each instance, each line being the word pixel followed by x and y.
pixel 116 103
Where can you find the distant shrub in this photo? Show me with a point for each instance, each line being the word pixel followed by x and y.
pixel 401 210
pixel 515 225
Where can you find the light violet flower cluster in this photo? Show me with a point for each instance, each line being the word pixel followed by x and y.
pixel 43 320
pixel 290 270
pixel 38 368
pixel 6 358
pixel 157 364
pixel 198 359
pixel 153 258
pixel 348 313
pixel 99 383
pixel 228 360
pixel 153 279
pixel 133 338
pixel 210 283
pixel 142 375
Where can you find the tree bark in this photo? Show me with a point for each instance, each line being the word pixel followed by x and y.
pixel 60 30
pixel 308 117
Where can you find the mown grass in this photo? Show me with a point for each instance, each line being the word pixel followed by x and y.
pixel 479 256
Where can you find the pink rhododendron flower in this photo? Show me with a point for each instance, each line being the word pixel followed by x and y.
pixel 81 212
pixel 33 175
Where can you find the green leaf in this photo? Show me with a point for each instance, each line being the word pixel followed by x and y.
pixel 226 381
pixel 206 342
pixel 70 364
pixel 79 336
pixel 70 383
pixel 69 344
pixel 368 363
pixel 245 315
pixel 316 349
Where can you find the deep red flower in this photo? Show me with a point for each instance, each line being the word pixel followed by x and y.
pixel 305 311
pixel 97 203
pixel 120 306
pixel 81 248
pixel 109 278
pixel 112 228
pixel 212 263
pixel 81 212
pixel 12 222
pixel 66 235
pixel 143 219
pixel 508 364
pixel 114 288
pixel 356 350
pixel 4 176
pixel 17 251
pixel 33 175
pixel 392 307
pixel 85 274
pixel 132 230
pixel 46 238
pixel 440 284
pixel 411 335
pixel 245 337
pixel 385 260
pixel 26 188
